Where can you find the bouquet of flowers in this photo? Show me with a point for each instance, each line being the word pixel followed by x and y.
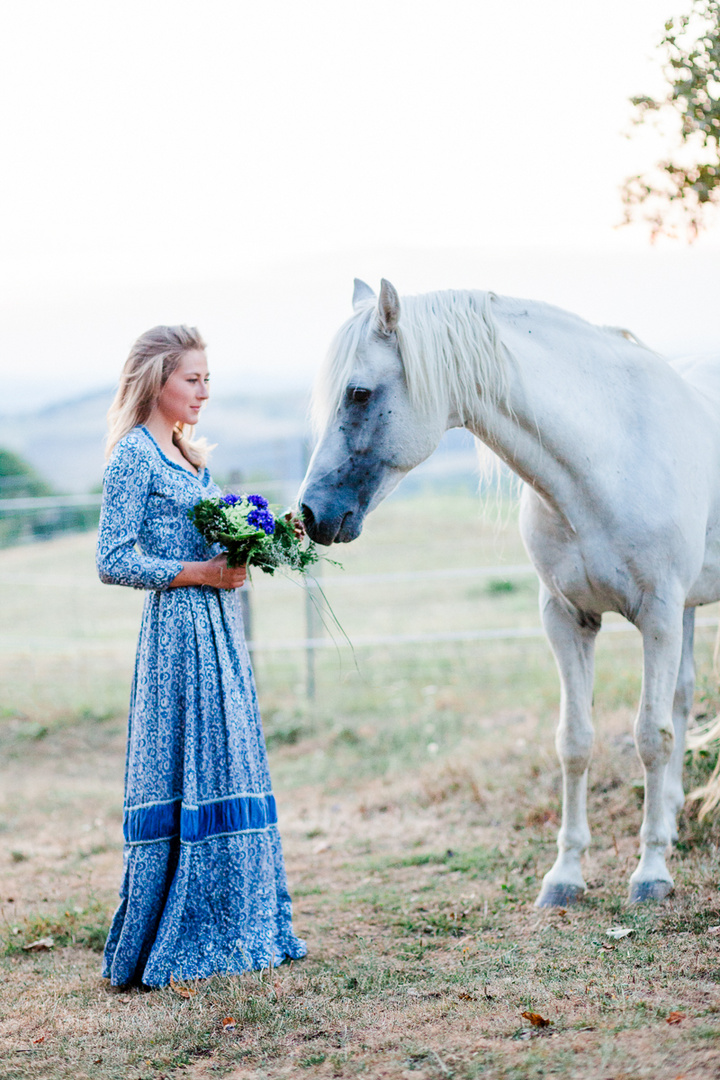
pixel 252 534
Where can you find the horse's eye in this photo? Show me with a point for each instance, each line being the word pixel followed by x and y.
pixel 358 395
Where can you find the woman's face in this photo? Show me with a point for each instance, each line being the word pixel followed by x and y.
pixel 186 390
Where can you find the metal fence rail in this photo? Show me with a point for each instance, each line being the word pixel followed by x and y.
pixel 513 633
pixel 498 571
pixel 47 502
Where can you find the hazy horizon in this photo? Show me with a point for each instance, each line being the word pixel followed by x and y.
pixel 274 329
pixel 235 166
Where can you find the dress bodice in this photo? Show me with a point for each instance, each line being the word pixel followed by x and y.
pixel 145 532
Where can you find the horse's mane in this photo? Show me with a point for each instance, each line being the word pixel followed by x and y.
pixel 449 346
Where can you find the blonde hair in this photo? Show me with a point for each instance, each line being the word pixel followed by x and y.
pixel 152 360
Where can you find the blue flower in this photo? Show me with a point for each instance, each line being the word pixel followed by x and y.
pixel 259 501
pixel 231 499
pixel 262 519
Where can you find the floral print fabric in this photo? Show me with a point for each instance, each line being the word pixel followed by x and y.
pixel 204 888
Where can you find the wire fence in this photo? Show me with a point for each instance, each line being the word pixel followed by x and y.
pixel 39 517
pixel 316 641
pixel 317 591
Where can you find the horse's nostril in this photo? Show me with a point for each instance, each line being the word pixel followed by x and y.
pixel 307 515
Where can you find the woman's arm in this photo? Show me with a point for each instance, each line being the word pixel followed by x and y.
pixel 126 489
pixel 215 572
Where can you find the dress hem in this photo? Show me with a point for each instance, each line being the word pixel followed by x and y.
pixel 280 957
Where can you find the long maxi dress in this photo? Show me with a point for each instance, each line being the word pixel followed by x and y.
pixel 204 888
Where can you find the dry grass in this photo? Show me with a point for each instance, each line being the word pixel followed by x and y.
pixel 419 807
pixel 414 892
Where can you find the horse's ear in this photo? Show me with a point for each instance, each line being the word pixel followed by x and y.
pixel 361 293
pixel 388 307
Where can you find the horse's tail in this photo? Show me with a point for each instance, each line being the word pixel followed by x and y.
pixel 701 739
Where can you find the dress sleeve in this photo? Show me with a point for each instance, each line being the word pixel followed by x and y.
pixel 126 489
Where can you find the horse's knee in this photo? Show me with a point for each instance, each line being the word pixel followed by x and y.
pixel 574 746
pixel 654 741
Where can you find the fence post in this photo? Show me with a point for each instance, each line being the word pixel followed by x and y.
pixel 313 629
pixel 246 610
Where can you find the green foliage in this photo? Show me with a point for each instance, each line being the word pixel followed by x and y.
pixel 18 479
pixel 680 193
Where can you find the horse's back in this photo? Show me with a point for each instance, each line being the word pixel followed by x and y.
pixel 702 372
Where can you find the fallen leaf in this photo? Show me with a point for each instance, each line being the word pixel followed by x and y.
pixel 464 996
pixel 37 946
pixel 182 991
pixel 40 1038
pixel 713 929
pixel 229 1023
pixel 536 1019
pixel 617 932
pixel 675 1018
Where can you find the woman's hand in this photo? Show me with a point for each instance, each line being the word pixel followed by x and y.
pixel 221 576
pixel 215 572
pixel 296 522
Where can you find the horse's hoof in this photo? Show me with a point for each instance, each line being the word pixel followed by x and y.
pixel 642 891
pixel 557 895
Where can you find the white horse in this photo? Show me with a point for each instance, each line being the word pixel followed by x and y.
pixel 620 510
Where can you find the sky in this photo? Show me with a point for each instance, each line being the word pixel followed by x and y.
pixel 235 164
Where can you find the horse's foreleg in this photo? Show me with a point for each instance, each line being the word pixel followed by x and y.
pixel 573 645
pixel 654 738
pixel 682 704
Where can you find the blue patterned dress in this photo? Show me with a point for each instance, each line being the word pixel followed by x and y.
pixel 204 887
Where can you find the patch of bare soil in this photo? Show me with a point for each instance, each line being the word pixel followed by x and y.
pixel 415 894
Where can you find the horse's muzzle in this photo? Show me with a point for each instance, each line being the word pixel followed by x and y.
pixel 326 531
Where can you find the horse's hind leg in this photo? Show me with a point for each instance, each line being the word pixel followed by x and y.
pixel 574 646
pixel 682 703
pixel 654 738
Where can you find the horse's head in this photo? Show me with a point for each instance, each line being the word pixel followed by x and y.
pixel 373 430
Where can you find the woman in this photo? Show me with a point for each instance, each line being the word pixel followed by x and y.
pixel 204 887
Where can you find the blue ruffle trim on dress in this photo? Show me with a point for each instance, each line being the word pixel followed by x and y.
pixel 151 822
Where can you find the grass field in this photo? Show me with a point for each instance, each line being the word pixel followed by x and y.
pixel 419 801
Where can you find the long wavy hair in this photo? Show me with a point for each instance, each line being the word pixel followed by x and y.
pixel 152 360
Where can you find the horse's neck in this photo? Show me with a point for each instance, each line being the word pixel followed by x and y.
pixel 570 401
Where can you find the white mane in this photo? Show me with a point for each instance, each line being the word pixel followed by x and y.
pixel 449 346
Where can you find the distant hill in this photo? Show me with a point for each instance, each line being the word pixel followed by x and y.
pixel 260 436
pixel 263 437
